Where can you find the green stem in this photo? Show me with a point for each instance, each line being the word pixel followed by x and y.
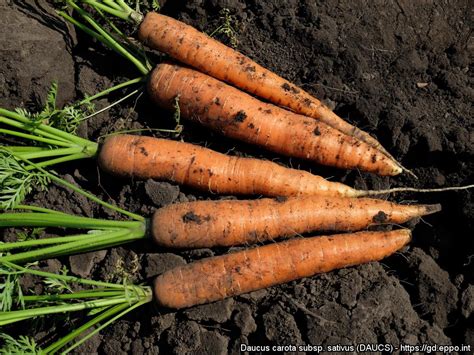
pixel 127 43
pixel 83 27
pixel 113 11
pixel 65 278
pixel 82 192
pixel 101 34
pixel 13 316
pixel 112 3
pixel 125 12
pixel 72 296
pixel 75 247
pixel 113 88
pixel 37 209
pixel 59 160
pixel 53 132
pixel 104 243
pixel 106 324
pixel 18 149
pixel 111 105
pixel 45 241
pixel 53 348
pixel 124 6
pixel 33 219
pixel 35 138
pixel 51 153
pixel 29 126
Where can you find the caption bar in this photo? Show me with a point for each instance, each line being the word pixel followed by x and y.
pixel 361 348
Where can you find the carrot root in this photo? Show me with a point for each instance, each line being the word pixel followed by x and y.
pixel 219 277
pixel 361 193
pixel 231 222
pixel 430 209
pixel 204 169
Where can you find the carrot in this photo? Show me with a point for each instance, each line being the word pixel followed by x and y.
pixel 219 277
pixel 235 114
pixel 201 224
pixel 192 47
pixel 205 169
pixel 231 222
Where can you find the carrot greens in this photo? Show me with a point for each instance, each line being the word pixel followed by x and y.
pixel 104 302
pixel 90 234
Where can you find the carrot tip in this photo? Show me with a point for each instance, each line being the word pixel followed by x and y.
pixel 407 232
pixel 429 209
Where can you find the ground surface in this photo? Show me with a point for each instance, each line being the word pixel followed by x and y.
pixel 398 69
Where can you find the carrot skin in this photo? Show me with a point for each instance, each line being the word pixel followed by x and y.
pixel 219 277
pixel 232 222
pixel 238 115
pixel 190 46
pixel 201 168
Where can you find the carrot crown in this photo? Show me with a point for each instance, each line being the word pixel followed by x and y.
pixel 119 8
pixel 105 302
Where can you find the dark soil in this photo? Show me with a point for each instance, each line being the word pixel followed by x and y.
pixel 399 70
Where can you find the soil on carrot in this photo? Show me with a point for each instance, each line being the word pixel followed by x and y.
pixel 399 70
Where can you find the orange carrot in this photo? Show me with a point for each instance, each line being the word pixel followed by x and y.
pixel 190 46
pixel 228 275
pixel 232 222
pixel 204 169
pixel 238 115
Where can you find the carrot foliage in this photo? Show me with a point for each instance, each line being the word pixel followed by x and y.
pixel 104 303
pixel 88 234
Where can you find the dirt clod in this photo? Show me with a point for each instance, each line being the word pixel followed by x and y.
pixel 280 327
pixel 83 264
pixel 157 263
pixel 467 301
pixel 161 193
pixel 436 296
pixel 218 312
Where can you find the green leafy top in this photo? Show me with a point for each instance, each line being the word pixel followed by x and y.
pixel 20 345
pixel 16 181
pixel 105 302
pixel 66 119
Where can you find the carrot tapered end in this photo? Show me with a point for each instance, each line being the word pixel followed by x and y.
pixel 430 209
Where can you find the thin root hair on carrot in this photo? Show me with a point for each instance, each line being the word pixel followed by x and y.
pixel 414 189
